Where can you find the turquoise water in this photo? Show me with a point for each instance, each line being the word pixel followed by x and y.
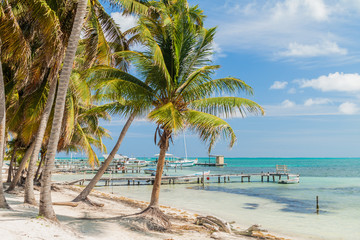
pixel 285 209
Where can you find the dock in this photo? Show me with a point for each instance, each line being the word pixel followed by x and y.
pixel 200 179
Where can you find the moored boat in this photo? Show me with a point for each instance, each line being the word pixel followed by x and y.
pixel 289 180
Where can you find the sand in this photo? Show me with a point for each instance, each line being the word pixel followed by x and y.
pixel 89 222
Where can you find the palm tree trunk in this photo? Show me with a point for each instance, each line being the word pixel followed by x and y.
pixel 154 218
pixel 37 177
pixel 84 194
pixel 164 145
pixel 46 210
pixel 29 196
pixel 21 167
pixel 12 161
pixel 3 203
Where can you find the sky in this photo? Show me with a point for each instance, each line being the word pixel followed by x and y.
pixel 302 59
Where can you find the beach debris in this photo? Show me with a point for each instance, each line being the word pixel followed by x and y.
pixel 70 204
pixel 214 223
pixel 253 231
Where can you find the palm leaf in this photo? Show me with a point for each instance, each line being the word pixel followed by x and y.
pixel 209 127
pixel 227 106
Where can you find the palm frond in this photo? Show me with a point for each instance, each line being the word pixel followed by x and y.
pixel 168 116
pixel 209 127
pixel 227 106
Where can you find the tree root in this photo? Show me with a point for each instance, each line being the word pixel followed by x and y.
pixel 152 218
pixel 88 202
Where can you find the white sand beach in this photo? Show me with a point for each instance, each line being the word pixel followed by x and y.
pixel 107 222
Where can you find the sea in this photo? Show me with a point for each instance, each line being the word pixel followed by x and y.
pixel 287 209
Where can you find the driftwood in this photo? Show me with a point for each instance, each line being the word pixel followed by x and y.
pixel 214 223
pixel 250 231
pixel 71 204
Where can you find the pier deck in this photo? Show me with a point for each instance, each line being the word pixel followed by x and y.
pixel 212 178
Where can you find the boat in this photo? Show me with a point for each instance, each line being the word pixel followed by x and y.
pixel 149 170
pixel 133 162
pixel 174 162
pixel 296 179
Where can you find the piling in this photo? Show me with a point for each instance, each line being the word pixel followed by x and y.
pixel 317 204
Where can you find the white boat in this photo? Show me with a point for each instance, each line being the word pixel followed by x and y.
pixel 296 179
pixel 180 162
pixel 175 162
pixel 133 162
pixel 149 170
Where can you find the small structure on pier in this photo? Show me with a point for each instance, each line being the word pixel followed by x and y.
pixel 219 161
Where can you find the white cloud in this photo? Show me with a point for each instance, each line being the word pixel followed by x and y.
pixel 315 9
pixel 287 104
pixel 348 108
pixel 334 82
pixel 278 85
pixel 324 49
pixel 218 52
pixel 288 28
pixel 125 22
pixel 317 101
pixel 292 91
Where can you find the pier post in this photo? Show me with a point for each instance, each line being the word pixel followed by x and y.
pixel 273 178
pixel 262 178
pixel 242 178
pixel 317 204
pixel 128 182
pixel 203 178
pixel 198 180
pixel 249 178
pixel 224 179
pixel 268 178
pixel 218 179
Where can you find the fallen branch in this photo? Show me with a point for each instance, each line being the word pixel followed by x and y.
pixel 70 204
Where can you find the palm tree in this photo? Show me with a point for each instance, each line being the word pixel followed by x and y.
pixel 3 203
pixel 46 209
pixel 180 92
pixel 11 38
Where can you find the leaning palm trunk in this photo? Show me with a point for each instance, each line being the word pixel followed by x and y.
pixel 155 218
pixel 21 167
pixel 11 166
pixel 29 196
pixel 84 194
pixel 3 203
pixel 46 210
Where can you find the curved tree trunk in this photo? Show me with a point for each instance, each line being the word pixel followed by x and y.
pixel 21 167
pixel 12 161
pixel 84 194
pixel 3 203
pixel 164 145
pixel 37 176
pixel 45 209
pixel 29 196
pixel 153 216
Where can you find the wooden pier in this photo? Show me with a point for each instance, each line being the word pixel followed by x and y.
pixel 200 179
